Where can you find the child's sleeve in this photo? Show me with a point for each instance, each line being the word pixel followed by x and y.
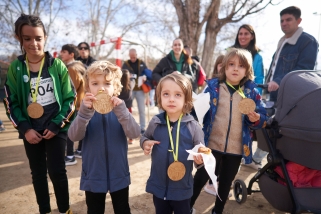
pixel 68 100
pixel 77 129
pixel 261 123
pixel 11 103
pixel 127 121
pixel 148 134
pixel 198 137
pixel 198 134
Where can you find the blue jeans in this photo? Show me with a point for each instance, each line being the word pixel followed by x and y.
pixel 140 99
pixel 259 155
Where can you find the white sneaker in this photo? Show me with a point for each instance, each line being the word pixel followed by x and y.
pixel 209 189
pixel 253 165
pixel 193 211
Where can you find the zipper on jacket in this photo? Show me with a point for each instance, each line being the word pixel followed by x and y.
pixel 229 124
pixel 167 178
pixel 106 151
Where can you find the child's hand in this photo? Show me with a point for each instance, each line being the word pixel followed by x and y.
pixel 88 100
pixel 253 116
pixel 32 136
pixel 198 159
pixel 116 101
pixel 47 134
pixel 148 145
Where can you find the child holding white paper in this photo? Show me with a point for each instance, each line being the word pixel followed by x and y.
pixel 226 129
pixel 168 136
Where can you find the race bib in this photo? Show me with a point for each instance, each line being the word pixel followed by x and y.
pixel 46 93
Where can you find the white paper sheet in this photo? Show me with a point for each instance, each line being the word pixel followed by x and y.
pixel 209 164
pixel 201 104
pixel 141 80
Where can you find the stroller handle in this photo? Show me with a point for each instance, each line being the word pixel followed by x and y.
pixel 263 86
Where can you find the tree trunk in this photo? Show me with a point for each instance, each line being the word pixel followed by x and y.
pixel 188 19
pixel 191 24
pixel 213 26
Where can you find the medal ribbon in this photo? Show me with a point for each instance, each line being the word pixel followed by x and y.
pixel 175 156
pixel 34 95
pixel 240 91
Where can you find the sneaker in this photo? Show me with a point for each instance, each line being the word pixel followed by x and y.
pixel 255 166
pixel 77 154
pixel 130 141
pixel 68 212
pixel 70 161
pixel 209 189
pixel 2 128
pixel 193 211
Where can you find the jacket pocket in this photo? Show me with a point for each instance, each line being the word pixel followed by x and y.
pixel 289 62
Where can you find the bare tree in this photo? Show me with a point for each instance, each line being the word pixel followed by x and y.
pixel 194 15
pixel 114 18
pixel 11 10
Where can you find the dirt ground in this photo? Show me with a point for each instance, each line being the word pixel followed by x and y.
pixel 17 195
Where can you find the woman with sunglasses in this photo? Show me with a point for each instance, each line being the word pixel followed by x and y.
pixel 84 52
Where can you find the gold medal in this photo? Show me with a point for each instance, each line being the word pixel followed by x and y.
pixel 246 150
pixel 246 106
pixel 176 171
pixel 103 104
pixel 35 110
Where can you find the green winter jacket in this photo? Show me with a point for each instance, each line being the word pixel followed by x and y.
pixel 17 90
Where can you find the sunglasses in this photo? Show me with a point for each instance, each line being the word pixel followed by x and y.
pixel 83 48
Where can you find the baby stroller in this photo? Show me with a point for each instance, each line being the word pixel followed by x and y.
pixel 294 134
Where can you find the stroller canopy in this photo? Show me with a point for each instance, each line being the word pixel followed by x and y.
pixel 299 105
pixel 299 118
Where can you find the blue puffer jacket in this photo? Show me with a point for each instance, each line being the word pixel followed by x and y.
pixel 258 70
pixel 159 183
pixel 250 92
pixel 104 150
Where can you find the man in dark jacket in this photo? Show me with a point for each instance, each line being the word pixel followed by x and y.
pixel 84 52
pixel 136 67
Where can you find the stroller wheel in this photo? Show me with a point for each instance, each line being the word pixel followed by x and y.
pixel 240 191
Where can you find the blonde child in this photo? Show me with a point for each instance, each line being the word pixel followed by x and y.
pixel 168 136
pixel 40 102
pixel 226 130
pixel 105 164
